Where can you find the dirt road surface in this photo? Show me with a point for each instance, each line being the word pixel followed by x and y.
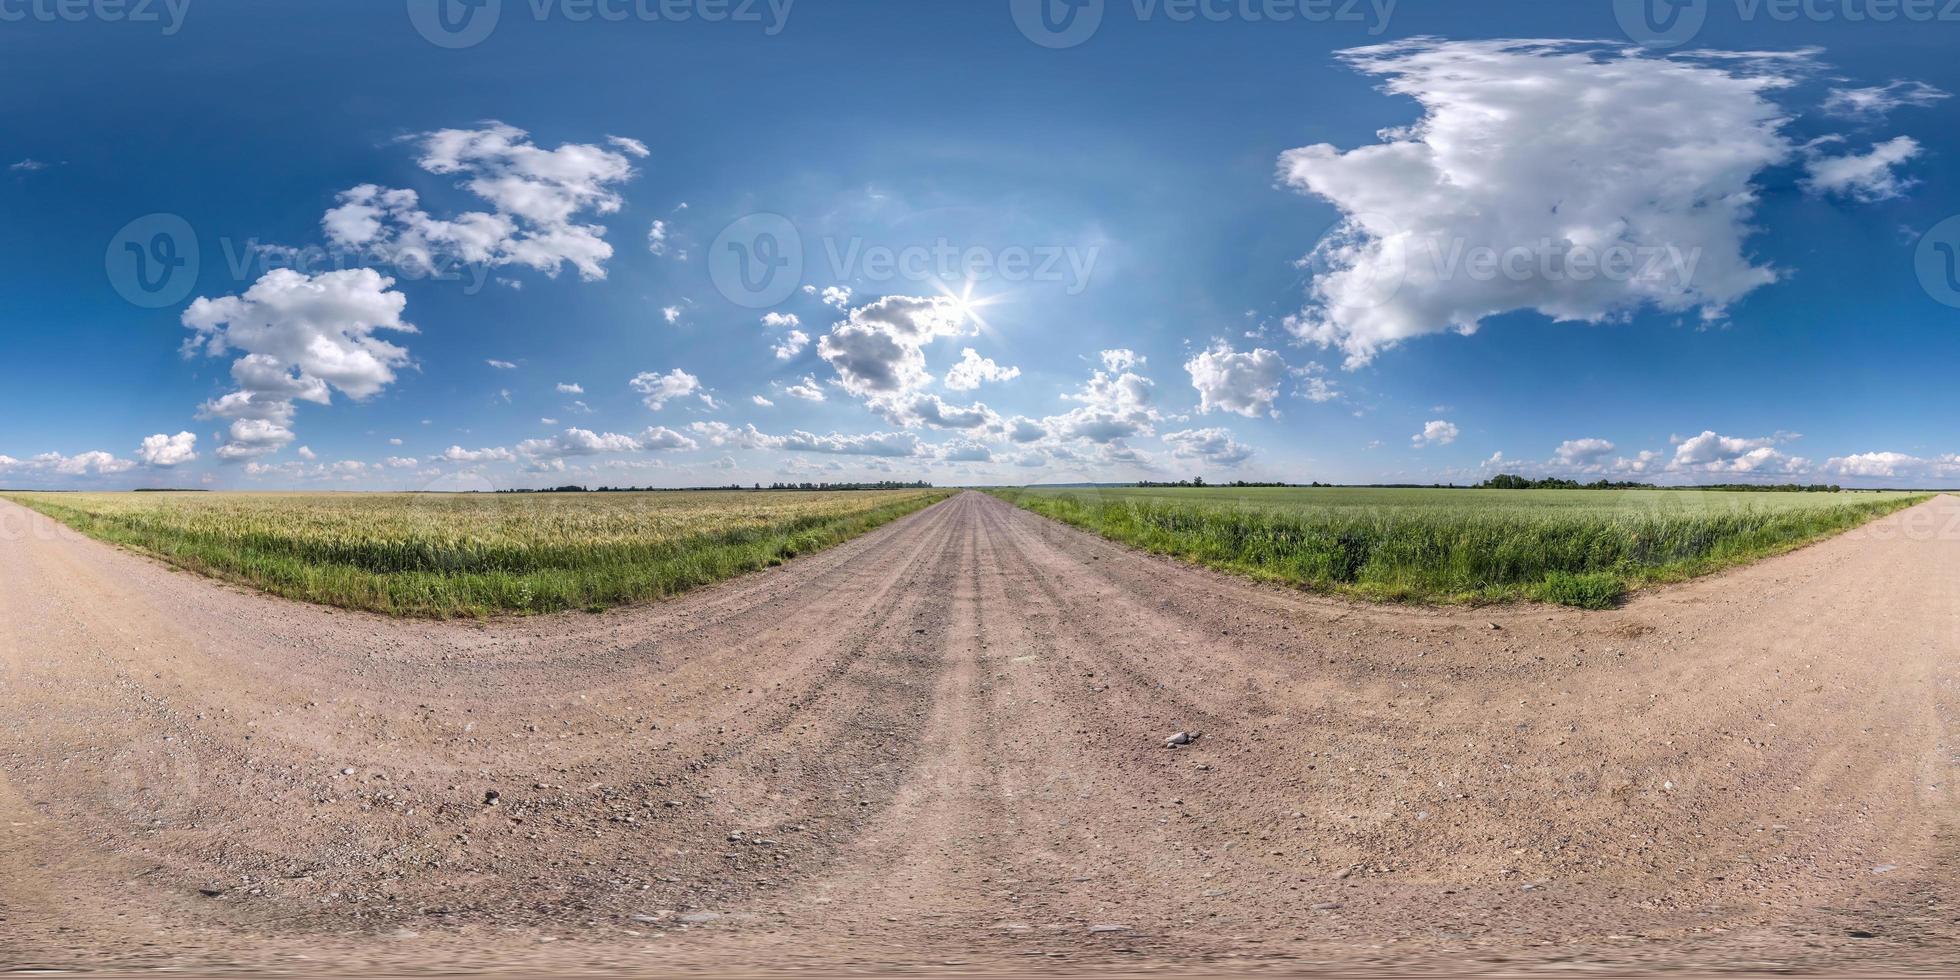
pixel 941 747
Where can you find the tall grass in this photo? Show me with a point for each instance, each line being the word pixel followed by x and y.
pixel 447 555
pixel 1444 545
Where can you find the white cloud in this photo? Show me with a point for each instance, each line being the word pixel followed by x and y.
pixel 1115 404
pixel 837 296
pixel 1598 180
pixel 1215 446
pixel 1436 432
pixel 539 198
pixel 629 144
pixel 659 389
pixel 502 365
pixel 657 237
pixel 1229 381
pixel 95 461
pixel 401 462
pixel 1314 385
pixel 791 345
pixel 1865 177
pixel 774 320
pixel 578 442
pixel 761 402
pixel 457 454
pixel 923 408
pixel 879 349
pixel 721 434
pixel 672 314
pixel 888 444
pixel 973 370
pixel 659 438
pixel 807 389
pixel 300 334
pixel 28 165
pixel 307 453
pixel 1882 99
pixel 168 450
pixel 1713 453
pixel 1582 452
pixel 565 388
pixel 965 451
pixel 1891 465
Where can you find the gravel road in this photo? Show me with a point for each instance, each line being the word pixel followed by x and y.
pixel 942 746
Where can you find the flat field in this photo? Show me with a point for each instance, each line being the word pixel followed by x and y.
pixel 1577 547
pixel 475 554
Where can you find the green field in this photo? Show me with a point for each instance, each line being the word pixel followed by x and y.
pixel 1577 547
pixel 475 554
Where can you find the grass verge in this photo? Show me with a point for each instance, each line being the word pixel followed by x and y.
pixel 1423 547
pixel 439 555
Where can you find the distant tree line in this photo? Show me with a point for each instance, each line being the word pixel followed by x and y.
pixel 1510 481
pixel 1199 481
pixel 879 485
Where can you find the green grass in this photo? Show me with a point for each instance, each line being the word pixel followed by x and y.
pixel 1585 548
pixel 445 555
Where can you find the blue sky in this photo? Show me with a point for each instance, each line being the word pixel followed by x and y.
pixel 1242 243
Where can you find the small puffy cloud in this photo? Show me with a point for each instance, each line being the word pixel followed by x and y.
pixel 671 314
pixel 1114 405
pixel 300 335
pixel 659 438
pixel 168 450
pixel 721 434
pixel 1582 453
pixel 1882 99
pixel 965 451
pixel 922 408
pixel 973 370
pixel 879 348
pixel 629 144
pixel 1230 381
pixel 778 321
pixel 1710 452
pixel 1313 384
pixel 565 388
pixel 502 365
pixel 1866 177
pixel 1215 446
pixel 539 198
pixel 401 462
pixel 790 345
pixel 457 454
pixel 253 438
pixel 837 296
pixel 1024 430
pixel 1597 179
pixel 1436 432
pixel 657 237
pixel 657 390
pixel 307 453
pixel 808 389
pixel 761 402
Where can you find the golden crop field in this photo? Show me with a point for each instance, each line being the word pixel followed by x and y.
pixel 476 554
